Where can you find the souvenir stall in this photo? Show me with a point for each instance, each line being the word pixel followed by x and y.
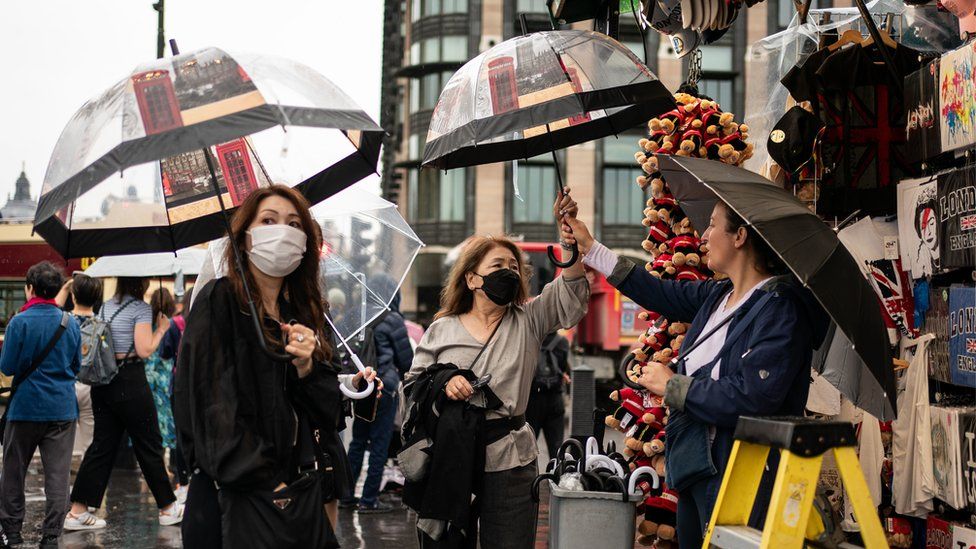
pixel 870 119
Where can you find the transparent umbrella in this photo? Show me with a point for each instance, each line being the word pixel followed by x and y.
pixel 367 250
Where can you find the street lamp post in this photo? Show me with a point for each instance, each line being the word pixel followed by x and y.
pixel 160 31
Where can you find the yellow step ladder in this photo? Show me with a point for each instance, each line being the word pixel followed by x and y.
pixel 802 443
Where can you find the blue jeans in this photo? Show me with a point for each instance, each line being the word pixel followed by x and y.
pixel 695 505
pixel 376 437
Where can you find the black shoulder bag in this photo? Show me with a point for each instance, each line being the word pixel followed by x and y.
pixel 30 370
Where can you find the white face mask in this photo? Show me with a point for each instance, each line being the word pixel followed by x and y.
pixel 276 250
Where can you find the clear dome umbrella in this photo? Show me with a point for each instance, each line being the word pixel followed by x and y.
pixel 367 250
pixel 159 160
pixel 537 93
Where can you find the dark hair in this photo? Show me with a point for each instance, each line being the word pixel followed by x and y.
pixel 162 301
pixel 456 297
pixel 131 286
pixel 921 207
pixel 86 290
pixel 46 279
pixel 301 287
pixel 766 259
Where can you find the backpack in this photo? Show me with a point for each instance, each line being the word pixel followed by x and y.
pixel 548 374
pixel 98 364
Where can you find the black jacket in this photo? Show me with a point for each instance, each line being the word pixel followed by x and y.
pixel 393 351
pixel 235 408
pixel 459 434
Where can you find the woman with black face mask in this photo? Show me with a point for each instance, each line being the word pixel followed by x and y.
pixel 484 304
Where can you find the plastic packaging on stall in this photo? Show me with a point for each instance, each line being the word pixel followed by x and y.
pixel 923 28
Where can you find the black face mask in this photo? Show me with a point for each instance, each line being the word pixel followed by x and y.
pixel 501 286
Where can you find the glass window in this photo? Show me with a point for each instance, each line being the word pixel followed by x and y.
pixel 430 89
pixel 11 299
pixel 454 6
pixel 530 6
pixel 414 95
pixel 721 89
pixel 415 10
pixel 786 9
pixel 620 150
pixel 623 200
pixel 430 50
pixel 413 147
pixel 716 58
pixel 432 7
pixel 415 53
pixel 455 48
pixel 536 183
pixel 439 196
pixel 452 195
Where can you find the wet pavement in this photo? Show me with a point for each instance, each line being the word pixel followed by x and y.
pixel 130 512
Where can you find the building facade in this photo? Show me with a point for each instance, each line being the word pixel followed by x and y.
pixel 425 41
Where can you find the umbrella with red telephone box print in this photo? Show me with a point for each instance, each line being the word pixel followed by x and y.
pixel 159 160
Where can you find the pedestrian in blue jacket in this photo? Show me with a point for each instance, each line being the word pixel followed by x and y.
pixel 747 353
pixel 43 409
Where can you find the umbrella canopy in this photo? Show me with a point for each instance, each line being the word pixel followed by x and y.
pixel 188 261
pixel 132 171
pixel 367 251
pixel 540 92
pixel 813 253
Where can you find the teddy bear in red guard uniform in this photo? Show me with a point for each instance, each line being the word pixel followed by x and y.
pixel 697 127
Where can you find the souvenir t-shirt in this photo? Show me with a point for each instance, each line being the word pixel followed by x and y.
pixel 864 144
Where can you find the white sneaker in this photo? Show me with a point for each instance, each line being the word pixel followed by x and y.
pixel 173 516
pixel 181 493
pixel 84 521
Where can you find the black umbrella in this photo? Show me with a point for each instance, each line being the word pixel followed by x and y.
pixel 537 93
pixel 812 252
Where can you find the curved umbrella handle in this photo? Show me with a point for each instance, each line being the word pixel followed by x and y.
pixel 639 473
pixel 574 255
pixel 354 395
pixel 592 447
pixel 593 462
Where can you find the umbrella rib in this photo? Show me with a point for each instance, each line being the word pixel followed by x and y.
pixel 364 285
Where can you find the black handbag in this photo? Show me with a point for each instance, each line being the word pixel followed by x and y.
pixel 30 370
pixel 292 517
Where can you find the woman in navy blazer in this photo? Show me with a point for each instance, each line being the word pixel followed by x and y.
pixel 755 364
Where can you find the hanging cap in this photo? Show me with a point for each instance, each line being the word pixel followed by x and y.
pixel 792 140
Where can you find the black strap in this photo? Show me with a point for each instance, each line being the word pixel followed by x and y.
pixel 115 314
pixel 492 336
pixel 39 358
pixel 729 338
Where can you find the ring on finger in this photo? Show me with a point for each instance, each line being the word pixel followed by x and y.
pixel 300 338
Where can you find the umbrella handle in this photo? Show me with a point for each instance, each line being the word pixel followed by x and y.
pixel 574 255
pixel 354 395
pixel 357 395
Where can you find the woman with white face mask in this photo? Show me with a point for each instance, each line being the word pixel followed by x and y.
pixel 247 423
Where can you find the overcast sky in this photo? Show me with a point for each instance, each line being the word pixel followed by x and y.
pixel 54 55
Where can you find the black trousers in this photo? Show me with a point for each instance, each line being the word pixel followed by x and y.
pixel 201 527
pixel 123 406
pixel 546 413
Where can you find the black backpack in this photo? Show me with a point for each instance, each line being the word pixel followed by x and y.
pixel 548 374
